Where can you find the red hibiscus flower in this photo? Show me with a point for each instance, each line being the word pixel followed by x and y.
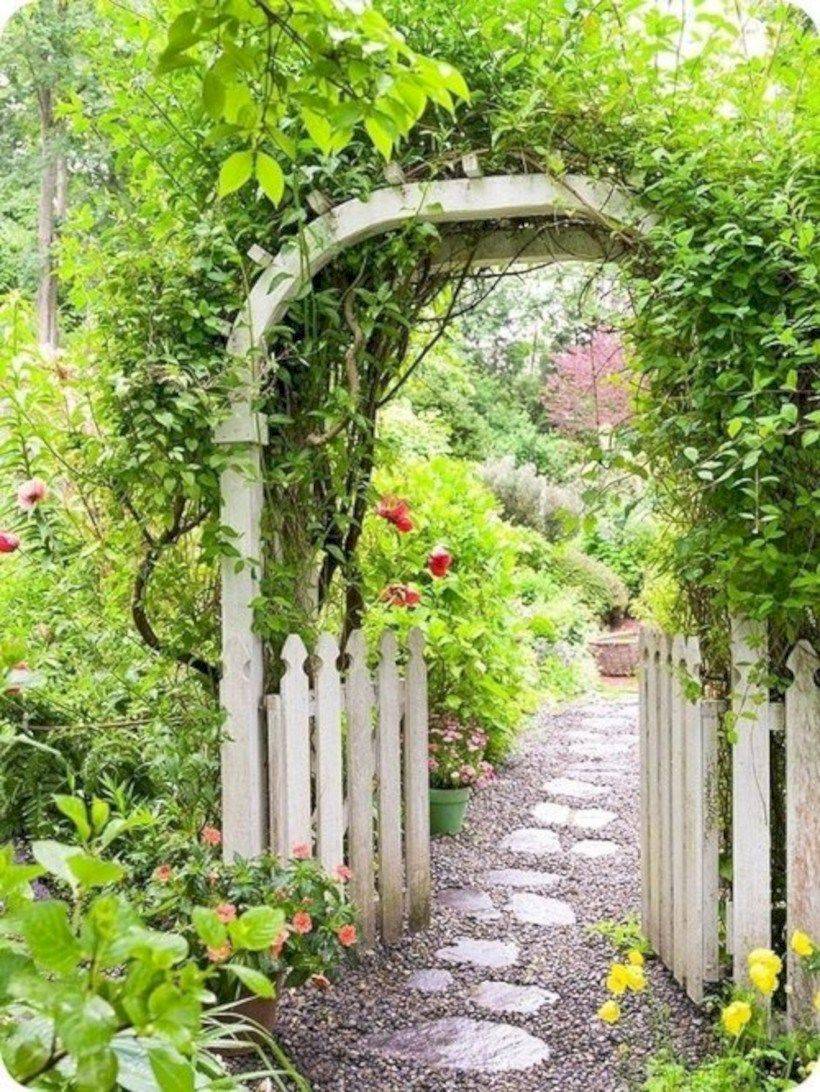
pixel 226 911
pixel 397 512
pixel 9 542
pixel 401 595
pixel 439 561
pixel 210 836
pixel 31 493
pixel 302 922
pixel 347 935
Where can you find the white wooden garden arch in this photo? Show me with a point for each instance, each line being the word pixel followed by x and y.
pixel 577 218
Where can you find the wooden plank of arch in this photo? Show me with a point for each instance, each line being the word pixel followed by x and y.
pixel 360 775
pixel 416 785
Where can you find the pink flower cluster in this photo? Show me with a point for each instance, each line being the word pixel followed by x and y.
pixel 456 753
pixel 29 495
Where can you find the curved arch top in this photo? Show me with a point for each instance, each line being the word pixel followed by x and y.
pixel 573 200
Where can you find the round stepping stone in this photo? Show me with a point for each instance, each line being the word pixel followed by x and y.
pixel 469 901
pixel 550 812
pixel 430 981
pixel 462 1044
pixel 604 749
pixel 521 877
pixel 594 848
pixel 480 953
pixel 534 840
pixel 568 786
pixel 592 818
pixel 506 997
pixel 538 910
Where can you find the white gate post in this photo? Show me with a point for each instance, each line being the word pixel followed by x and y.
pixel 244 797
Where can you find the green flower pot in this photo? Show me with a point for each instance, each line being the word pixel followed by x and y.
pixel 447 808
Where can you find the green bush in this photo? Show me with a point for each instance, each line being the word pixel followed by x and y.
pixel 481 666
pixel 528 498
pixel 598 586
pixel 625 546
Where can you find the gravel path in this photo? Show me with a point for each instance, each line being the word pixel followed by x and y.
pixel 439 1011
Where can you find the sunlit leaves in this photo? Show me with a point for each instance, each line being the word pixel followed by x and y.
pixel 235 172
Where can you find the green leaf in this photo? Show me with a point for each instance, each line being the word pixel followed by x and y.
pixel 160 950
pixel 257 928
pixel 87 1026
pixel 271 177
pixel 255 981
pixel 453 80
pixel 382 139
pixel 91 871
pixel 691 454
pixel 213 94
pixel 100 811
pixel 96 1072
pixel 209 928
pixel 53 856
pixel 235 172
pixel 49 937
pixel 75 810
pixel 319 130
pixel 172 1071
pixel 734 426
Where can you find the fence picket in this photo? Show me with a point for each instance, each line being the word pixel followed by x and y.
pixel 416 785
pixel 710 716
pixel 751 837
pixel 802 821
pixel 680 815
pixel 276 768
pixel 643 740
pixel 295 818
pixel 694 830
pixel 653 786
pixel 360 774
pixel 391 878
pixel 665 931
pixel 328 741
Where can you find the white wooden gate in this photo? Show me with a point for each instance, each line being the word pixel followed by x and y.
pixel 683 901
pixel 348 776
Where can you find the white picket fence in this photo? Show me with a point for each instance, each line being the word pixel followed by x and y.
pixel 348 776
pixel 683 904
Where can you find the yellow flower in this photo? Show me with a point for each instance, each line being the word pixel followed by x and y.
pixel 610 1012
pixel 764 978
pixel 634 957
pixel 636 979
pixel 736 1016
pixel 617 981
pixel 802 944
pixel 767 957
pixel 817 1001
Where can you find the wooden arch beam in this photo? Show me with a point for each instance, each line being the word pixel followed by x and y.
pixel 580 215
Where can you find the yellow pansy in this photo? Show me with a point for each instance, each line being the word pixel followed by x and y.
pixel 767 957
pixel 636 979
pixel 802 944
pixel 764 978
pixel 634 957
pixel 610 1012
pixel 617 981
pixel 736 1016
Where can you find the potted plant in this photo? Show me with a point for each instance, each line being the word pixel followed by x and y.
pixel 456 763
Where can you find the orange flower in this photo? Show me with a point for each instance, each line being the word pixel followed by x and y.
pixel 163 873
pixel 277 946
pixel 302 922
pixel 211 836
pixel 346 935
pixel 226 911
pixel 342 873
pixel 220 954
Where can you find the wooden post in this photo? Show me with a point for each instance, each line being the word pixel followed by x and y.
pixel 360 773
pixel 665 798
pixel 643 740
pixel 391 872
pixel 244 808
pixel 328 742
pixel 751 836
pixel 695 809
pixel 653 786
pixel 295 711
pixel 711 711
pixel 416 785
pixel 681 811
pixel 802 822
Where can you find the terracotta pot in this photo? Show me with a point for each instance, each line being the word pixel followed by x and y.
pixel 260 1010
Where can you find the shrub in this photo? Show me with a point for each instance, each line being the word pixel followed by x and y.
pixel 601 589
pixel 528 498
pixel 626 546
pixel 481 668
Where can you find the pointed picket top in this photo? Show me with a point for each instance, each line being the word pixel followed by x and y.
pixel 416 641
pixel 803 658
pixel 692 657
pixel 388 646
pixel 294 652
pixel 327 651
pixel 356 647
pixel 678 648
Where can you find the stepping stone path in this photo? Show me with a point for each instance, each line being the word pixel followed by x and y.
pixel 500 983
pixel 537 910
pixel 506 997
pixel 460 1043
pixel 480 953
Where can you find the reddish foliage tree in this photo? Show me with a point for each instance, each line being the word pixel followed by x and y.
pixel 589 390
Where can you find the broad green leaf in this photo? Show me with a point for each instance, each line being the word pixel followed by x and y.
pixel 100 811
pixel 453 80
pixel 235 172
pixel 213 94
pixel 91 871
pixel 270 177
pixel 257 928
pixel 254 980
pixel 47 933
pixel 319 130
pixel 86 1026
pixel 96 1072
pixel 734 426
pixel 158 949
pixel 209 928
pixel 172 1071
pixel 382 139
pixel 53 856
pixel 75 810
